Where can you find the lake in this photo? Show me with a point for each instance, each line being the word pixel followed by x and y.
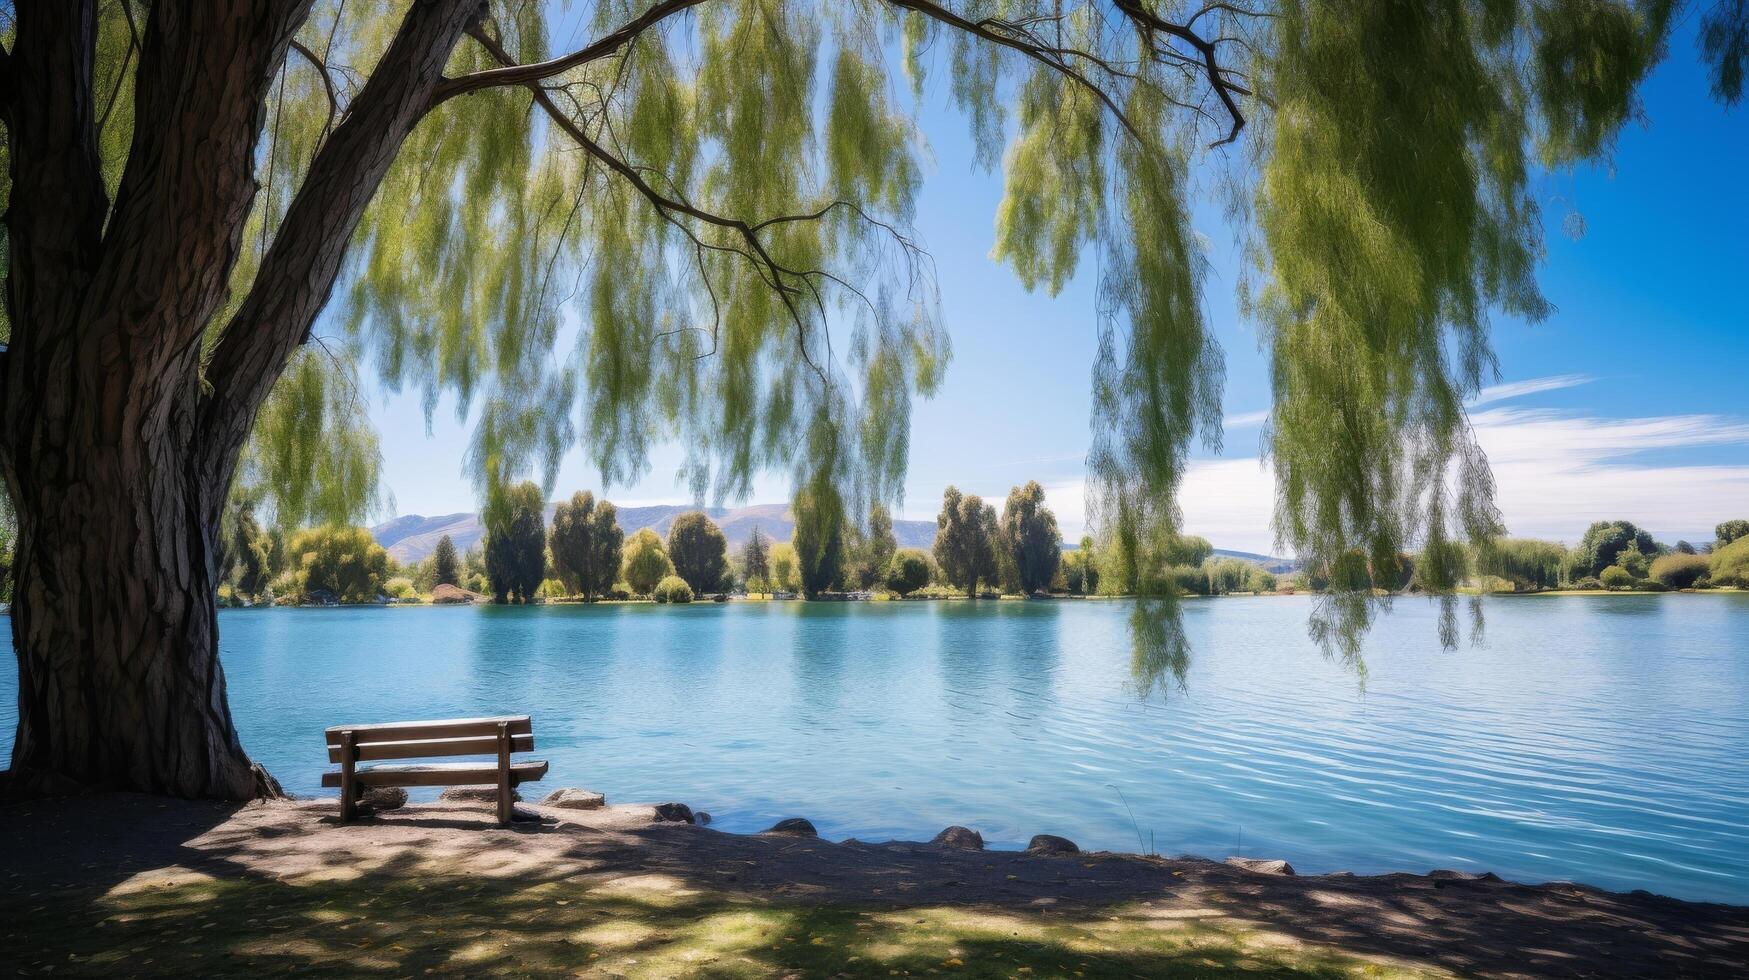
pixel 1601 739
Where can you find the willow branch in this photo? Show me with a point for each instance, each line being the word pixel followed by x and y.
pixel 511 73
pixel 1021 40
pixel 327 82
pixel 667 206
pixel 298 270
pixel 1233 9
pixel 1224 89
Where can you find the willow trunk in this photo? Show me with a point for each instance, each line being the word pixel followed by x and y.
pixel 114 619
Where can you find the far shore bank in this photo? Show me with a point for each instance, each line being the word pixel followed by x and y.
pixel 125 884
pixel 764 598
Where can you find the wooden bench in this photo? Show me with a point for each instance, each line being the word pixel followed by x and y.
pixel 350 745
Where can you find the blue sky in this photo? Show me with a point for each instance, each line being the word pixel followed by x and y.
pixel 1630 401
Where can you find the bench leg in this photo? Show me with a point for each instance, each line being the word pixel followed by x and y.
pixel 348 785
pixel 504 788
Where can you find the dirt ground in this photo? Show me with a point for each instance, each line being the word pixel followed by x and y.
pixel 135 885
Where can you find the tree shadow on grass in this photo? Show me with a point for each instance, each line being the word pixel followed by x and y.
pixel 395 921
pixel 136 885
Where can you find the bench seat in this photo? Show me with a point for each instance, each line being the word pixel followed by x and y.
pixel 440 774
pixel 440 728
pixel 424 748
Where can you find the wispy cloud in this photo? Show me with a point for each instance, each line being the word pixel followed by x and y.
pixel 1244 419
pixel 1488 395
pixel 1555 473
pixel 1518 389
pixel 1511 435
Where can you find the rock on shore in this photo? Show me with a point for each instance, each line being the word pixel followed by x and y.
pixel 476 794
pixel 794 826
pixel 572 798
pixel 1262 866
pixel 959 838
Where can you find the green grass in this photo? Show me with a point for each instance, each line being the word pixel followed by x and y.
pixel 383 924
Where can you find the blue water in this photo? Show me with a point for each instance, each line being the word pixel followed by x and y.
pixel 1597 739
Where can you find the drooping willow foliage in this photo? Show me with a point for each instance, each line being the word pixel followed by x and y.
pixel 1394 215
pixel 698 228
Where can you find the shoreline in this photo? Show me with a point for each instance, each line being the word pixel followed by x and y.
pixel 142 885
pixel 731 600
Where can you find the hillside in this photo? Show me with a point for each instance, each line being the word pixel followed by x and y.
pixel 1269 563
pixel 413 537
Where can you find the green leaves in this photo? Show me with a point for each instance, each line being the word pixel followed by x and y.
pixel 313 456
pixel 1029 532
pixel 1589 59
pixel 1724 41
pixel 1394 217
pixel 585 544
pixel 965 540
pixel 1055 181
pixel 646 562
pixel 868 145
pixel 516 542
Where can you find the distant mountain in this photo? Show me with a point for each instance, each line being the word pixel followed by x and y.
pixel 414 537
pixel 1269 563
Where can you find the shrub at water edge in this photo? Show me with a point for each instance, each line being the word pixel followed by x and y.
pixel 908 571
pixel 1604 542
pixel 344 561
pixel 1530 565
pixel 784 577
pixel 1679 571
pixel 646 562
pixel 1081 568
pixel 673 588
pixel 1730 564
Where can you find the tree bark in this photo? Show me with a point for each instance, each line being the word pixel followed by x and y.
pixel 114 620
pixel 116 444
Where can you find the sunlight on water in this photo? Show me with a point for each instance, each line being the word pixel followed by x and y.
pixel 1599 739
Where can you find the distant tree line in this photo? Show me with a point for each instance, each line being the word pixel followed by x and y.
pixel 1620 555
pixel 978 551
pixel 1611 555
pixel 586 555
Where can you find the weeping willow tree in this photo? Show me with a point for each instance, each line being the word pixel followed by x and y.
pixel 639 221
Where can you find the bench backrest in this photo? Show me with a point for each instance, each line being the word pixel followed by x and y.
pixel 429 739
